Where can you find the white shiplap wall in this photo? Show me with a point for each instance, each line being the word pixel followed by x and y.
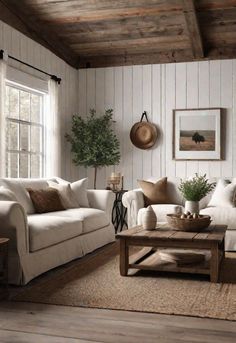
pixel 23 48
pixel 159 89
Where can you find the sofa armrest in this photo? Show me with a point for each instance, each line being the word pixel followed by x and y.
pixel 133 201
pixel 101 199
pixel 14 225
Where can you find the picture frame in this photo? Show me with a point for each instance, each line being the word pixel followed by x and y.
pixel 197 134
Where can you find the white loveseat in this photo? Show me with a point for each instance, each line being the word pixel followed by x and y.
pixel 134 202
pixel 39 242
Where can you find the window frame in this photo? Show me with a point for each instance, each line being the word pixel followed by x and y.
pixel 41 124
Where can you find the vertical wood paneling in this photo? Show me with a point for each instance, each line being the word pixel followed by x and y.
pixel 204 102
pixel 226 102
pixel 128 149
pixel 215 80
pixel 158 89
pixel 169 105
pixel 181 103
pixel 147 106
pixel 192 102
pixel 156 117
pixel 137 112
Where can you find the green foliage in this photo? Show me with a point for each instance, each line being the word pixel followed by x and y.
pixel 196 188
pixel 93 141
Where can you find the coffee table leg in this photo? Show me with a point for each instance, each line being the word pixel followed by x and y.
pixel 214 263
pixel 124 257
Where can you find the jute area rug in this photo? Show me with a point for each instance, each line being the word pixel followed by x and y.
pixel 95 282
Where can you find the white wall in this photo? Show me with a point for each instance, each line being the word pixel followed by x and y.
pixel 23 48
pixel 158 89
pixel 129 91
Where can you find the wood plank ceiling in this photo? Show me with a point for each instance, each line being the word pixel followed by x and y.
pixel 100 33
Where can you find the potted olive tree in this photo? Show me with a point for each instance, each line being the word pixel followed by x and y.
pixel 93 141
pixel 193 190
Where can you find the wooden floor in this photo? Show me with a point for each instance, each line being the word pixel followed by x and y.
pixel 39 323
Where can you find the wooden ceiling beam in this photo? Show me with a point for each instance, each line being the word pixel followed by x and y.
pixel 37 31
pixel 193 28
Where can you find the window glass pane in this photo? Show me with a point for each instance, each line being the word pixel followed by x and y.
pixel 12 164
pixel 35 166
pixel 7 102
pixel 24 160
pixel 36 133
pixel 12 135
pixel 13 102
pixel 35 108
pixel 24 105
pixel 24 137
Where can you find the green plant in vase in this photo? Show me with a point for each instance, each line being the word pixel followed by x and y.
pixel 193 190
pixel 93 141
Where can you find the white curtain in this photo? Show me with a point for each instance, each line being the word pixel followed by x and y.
pixel 53 132
pixel 2 119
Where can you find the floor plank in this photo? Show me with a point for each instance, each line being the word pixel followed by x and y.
pixel 50 323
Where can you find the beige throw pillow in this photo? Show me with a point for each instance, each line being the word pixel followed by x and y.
pixel 80 189
pixel 224 194
pixel 155 193
pixel 67 196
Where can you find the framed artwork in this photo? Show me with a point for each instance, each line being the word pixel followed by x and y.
pixel 197 134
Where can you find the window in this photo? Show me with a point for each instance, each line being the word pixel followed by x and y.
pixel 24 131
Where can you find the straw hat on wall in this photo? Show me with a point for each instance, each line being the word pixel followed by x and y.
pixel 143 135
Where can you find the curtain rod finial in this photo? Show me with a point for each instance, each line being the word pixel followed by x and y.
pixel 56 79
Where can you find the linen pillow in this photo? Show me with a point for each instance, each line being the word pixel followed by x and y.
pixel 21 194
pixel 80 189
pixel 67 196
pixel 155 193
pixel 46 200
pixel 224 194
pixel 6 194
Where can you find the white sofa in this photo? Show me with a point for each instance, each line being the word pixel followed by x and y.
pixel 134 202
pixel 39 242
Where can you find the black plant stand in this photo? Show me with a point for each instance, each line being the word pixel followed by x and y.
pixel 119 212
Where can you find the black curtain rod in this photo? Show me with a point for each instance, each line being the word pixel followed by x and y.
pixel 53 77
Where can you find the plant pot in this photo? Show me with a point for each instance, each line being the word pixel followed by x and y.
pixel 149 219
pixel 191 206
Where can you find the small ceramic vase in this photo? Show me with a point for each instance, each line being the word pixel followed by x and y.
pixel 149 219
pixel 192 206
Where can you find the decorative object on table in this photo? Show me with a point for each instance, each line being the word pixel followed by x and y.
pixel 119 212
pixel 4 267
pixel 154 193
pixel 189 222
pixel 143 135
pixel 94 142
pixel 197 134
pixel 149 219
pixel 114 181
pixel 193 190
pixel 182 256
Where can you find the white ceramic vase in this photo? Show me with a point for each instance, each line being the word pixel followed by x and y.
pixel 149 219
pixel 191 206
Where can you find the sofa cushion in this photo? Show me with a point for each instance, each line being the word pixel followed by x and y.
pixel 67 196
pixel 154 193
pixel 6 194
pixel 222 216
pixel 20 193
pixel 224 194
pixel 161 211
pixel 92 219
pixel 45 231
pixel 80 190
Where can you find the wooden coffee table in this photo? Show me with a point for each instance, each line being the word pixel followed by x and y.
pixel 211 239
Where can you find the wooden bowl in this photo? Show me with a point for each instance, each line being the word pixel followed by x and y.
pixel 188 224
